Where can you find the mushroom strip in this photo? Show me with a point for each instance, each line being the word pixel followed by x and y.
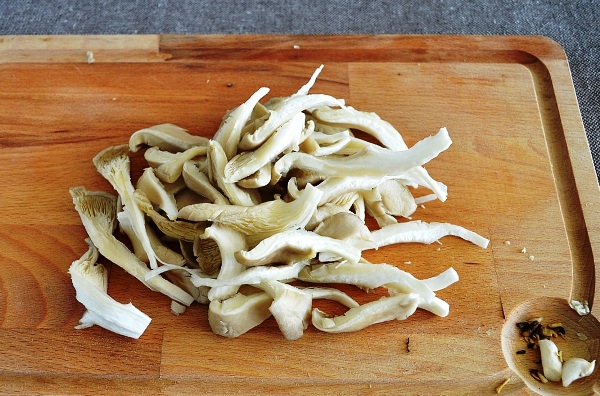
pixel 113 163
pixel 98 214
pixel 370 162
pixel 166 137
pixel 90 281
pixel 290 246
pixel 259 221
pixel 419 231
pixel 399 307
pixel 285 111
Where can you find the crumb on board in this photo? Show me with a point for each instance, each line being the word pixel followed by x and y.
pixel 90 57
pixel 296 46
pixel 524 250
pixel 507 243
pixel 531 257
pixel 502 385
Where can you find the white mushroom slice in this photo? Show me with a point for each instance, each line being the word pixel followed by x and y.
pixel 551 363
pixel 260 178
pixel 113 164
pixel 335 186
pixel 373 163
pixel 291 307
pixel 238 314
pixel 246 163
pixel 259 221
pixel 288 247
pixel 422 232
pixel 157 194
pixel 330 293
pixel 217 163
pixel 98 215
pixel 376 209
pixel 198 182
pixel 324 144
pixel 348 227
pixel 229 241
pixel 169 166
pixel 322 213
pixel 252 276
pixel 576 368
pixel 207 255
pixel 367 276
pixel 396 198
pixel 398 307
pixel 230 131
pixel 367 122
pixel 306 87
pixel 284 112
pixel 166 137
pixel 442 280
pixel 90 281
pixel 163 253
pixel 180 230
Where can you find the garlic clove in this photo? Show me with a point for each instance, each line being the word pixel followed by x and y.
pixel 576 368
pixel 550 360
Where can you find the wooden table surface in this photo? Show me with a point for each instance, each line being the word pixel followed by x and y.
pixel 519 170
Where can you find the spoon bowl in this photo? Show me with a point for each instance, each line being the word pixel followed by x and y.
pixel 582 339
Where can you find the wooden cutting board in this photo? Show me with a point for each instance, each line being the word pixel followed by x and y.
pixel 519 173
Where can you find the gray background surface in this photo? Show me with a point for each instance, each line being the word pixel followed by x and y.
pixel 573 24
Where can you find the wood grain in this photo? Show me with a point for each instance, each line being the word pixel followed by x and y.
pixel 519 170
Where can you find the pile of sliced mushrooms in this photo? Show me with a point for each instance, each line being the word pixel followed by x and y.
pixel 251 221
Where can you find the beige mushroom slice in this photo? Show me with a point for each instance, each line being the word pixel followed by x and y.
pixel 229 241
pixel 322 213
pixel 198 181
pixel 398 307
pixel 422 232
pixel 291 307
pixel 367 276
pixel 332 294
pixel 163 253
pixel 157 193
pixel 180 230
pixel 369 163
pixel 90 281
pixel 348 227
pixel 287 135
pixel 367 122
pixel 321 144
pixel 207 255
pixel 238 314
pixel 167 137
pixel 169 166
pixel 288 247
pixel 252 276
pixel 259 221
pixel 260 178
pixel 397 198
pixel 376 209
pixel 114 165
pixel 313 78
pixel 98 215
pixel 229 133
pixel 283 113
pixel 235 194
pixel 333 187
pixel 188 197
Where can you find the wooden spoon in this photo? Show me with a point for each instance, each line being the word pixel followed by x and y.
pixel 582 339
